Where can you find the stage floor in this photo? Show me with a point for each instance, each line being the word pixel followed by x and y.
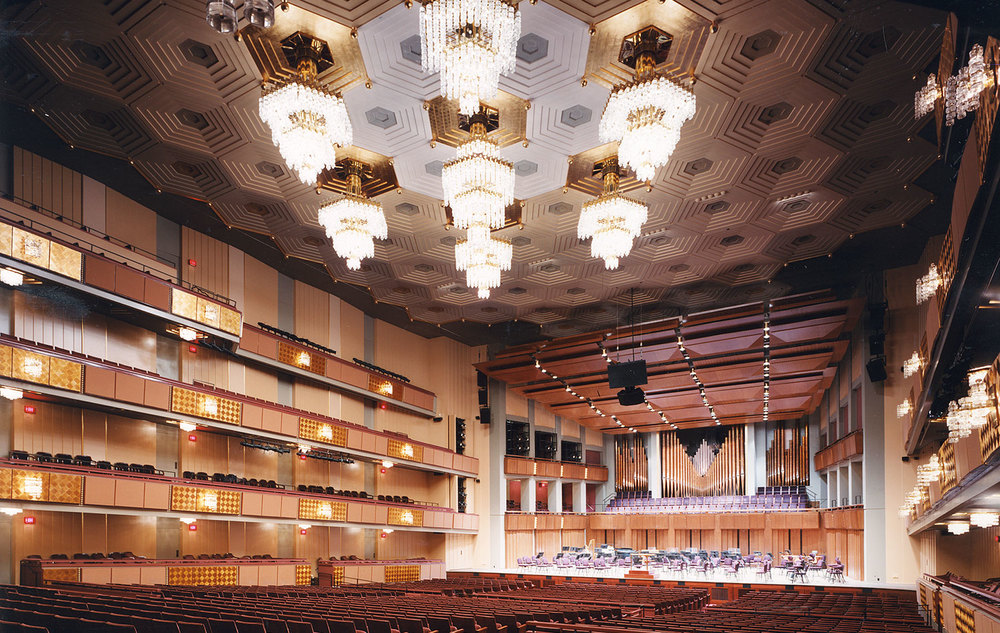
pixel 748 577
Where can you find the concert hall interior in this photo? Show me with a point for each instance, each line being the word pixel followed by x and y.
pixel 488 316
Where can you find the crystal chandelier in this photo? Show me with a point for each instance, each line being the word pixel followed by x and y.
pixel 928 285
pixel 259 13
pixel 645 116
pixel 930 472
pixel 904 409
pixel 969 413
pixel 472 43
pixel 912 365
pixel 984 519
pixel 926 97
pixel 958 528
pixel 483 258
pixel 478 184
pixel 611 220
pixel 354 222
pixel 961 91
pixel 308 122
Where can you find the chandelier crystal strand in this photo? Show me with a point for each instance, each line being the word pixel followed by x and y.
pixel 308 122
pixel 471 43
pixel 961 94
pixel 645 117
pixel 221 15
pixel 969 413
pixel 478 184
pixel 925 98
pixel 354 222
pixel 611 220
pixel 928 285
pixel 483 259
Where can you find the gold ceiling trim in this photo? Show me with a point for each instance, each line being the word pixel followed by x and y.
pixel 585 172
pixel 446 124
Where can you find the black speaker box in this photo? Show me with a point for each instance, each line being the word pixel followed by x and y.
pixel 630 396
pixel 630 374
pixel 876 369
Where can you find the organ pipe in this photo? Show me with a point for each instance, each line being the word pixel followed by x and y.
pixel 631 474
pixel 724 472
pixel 788 455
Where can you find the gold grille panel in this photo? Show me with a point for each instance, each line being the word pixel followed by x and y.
pixel 205 406
pixel 213 575
pixel 965 619
pixel 322 432
pixel 71 574
pixel 319 510
pixel 40 251
pixel 949 475
pixel 404 450
pixel 337 575
pixel 402 573
pixel 39 368
pixel 190 499
pixel 406 516
pixel 205 311
pixel 303 575
pixel 303 359
pixel 382 386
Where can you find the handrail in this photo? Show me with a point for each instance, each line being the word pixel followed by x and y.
pixel 71 240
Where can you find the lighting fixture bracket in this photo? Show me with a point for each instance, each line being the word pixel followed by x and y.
pixel 512 216
pixel 300 46
pixel 488 115
pixel 652 40
pixel 377 174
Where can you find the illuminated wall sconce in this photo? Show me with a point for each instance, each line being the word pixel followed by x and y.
pixel 11 277
pixel 958 528
pixel 912 365
pixel 187 520
pixel 387 464
pixel 386 532
pixel 210 501
pixel 10 510
pixel 187 334
pixel 385 388
pixel 11 393
pixel 187 427
pixel 325 511
pixel 304 528
pixel 326 432
pixel 303 359
pixel 33 487
pixel 406 517
pixel 984 519
pixel 904 409
pixel 33 367
pixel 210 406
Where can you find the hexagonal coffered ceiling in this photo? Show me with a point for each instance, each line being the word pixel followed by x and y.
pixel 803 138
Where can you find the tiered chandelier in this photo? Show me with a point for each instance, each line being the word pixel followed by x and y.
pixel 612 220
pixel 928 285
pixel 968 413
pixel 308 122
pixel 960 92
pixel 483 258
pixel 471 43
pixel 645 116
pixel 478 184
pixel 354 222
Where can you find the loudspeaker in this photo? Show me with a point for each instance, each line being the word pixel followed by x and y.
pixel 484 416
pixel 876 369
pixel 628 374
pixel 631 396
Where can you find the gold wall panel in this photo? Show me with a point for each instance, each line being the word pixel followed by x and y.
pixel 402 573
pixel 66 261
pixel 65 374
pixel 231 321
pixel 319 510
pixel 205 406
pixel 64 488
pixel 949 473
pixel 208 575
pixel 989 434
pixel 5 483
pixel 303 359
pixel 6 364
pixel 406 516
pixel 404 450
pixel 6 238
pixel 382 386
pixel 30 248
pixel 63 574
pixel 30 366
pixel 190 499
pixel 184 304
pixel 28 486
pixel 303 574
pixel 322 432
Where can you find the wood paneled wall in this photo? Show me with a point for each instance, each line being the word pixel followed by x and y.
pixel 48 185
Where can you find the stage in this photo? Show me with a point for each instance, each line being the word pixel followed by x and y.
pixel 722 587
